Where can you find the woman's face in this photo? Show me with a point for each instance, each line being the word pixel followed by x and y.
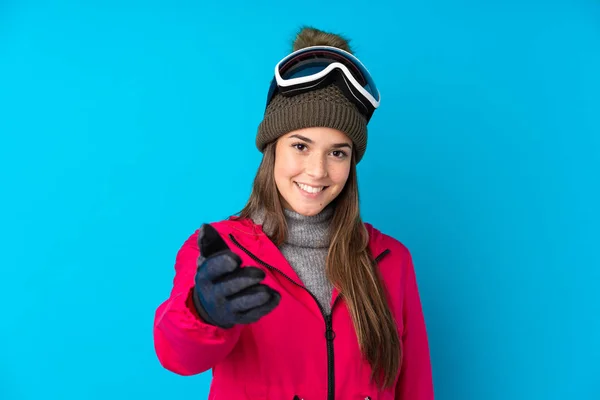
pixel 311 168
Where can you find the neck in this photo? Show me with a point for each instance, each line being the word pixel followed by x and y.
pixel 308 231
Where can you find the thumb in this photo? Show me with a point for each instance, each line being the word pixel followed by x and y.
pixel 209 241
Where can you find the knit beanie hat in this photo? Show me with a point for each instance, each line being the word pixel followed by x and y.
pixel 325 107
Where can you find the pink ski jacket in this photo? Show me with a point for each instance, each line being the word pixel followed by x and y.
pixel 294 352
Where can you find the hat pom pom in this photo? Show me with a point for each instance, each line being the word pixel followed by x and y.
pixel 309 36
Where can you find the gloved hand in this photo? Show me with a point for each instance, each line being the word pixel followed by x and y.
pixel 225 293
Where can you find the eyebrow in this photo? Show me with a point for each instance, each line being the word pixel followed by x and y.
pixel 335 145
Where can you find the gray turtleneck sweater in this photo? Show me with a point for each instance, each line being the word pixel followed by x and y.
pixel 306 250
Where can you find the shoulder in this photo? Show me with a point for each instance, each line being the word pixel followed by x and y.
pixel 393 259
pixel 381 242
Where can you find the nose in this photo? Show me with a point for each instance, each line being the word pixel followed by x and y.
pixel 316 167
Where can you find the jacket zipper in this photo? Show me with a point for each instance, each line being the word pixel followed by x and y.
pixel 329 332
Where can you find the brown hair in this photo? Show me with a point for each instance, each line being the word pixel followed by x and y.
pixel 349 265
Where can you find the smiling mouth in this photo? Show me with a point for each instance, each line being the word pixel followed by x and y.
pixel 311 189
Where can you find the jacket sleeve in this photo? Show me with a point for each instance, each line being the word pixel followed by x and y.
pixel 184 344
pixel 416 381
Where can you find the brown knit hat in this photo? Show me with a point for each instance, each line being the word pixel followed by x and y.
pixel 325 107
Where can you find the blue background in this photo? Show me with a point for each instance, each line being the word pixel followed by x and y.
pixel 125 125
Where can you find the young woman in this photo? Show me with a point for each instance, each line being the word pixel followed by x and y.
pixel 296 297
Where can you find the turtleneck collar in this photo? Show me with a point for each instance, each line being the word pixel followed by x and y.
pixel 303 231
pixel 308 231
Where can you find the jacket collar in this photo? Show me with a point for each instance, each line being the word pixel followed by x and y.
pixel 250 238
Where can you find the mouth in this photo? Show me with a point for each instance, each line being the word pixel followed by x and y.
pixel 310 189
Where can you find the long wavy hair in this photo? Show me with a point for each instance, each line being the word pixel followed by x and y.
pixel 349 266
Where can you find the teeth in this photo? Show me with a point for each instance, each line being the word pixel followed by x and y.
pixel 310 189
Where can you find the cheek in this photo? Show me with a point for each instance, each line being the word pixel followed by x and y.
pixel 339 174
pixel 286 168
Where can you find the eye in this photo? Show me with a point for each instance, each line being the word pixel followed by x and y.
pixel 339 154
pixel 299 146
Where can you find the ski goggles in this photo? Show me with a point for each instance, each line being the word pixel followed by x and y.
pixel 315 67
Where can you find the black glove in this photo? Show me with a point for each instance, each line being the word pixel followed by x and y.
pixel 225 293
